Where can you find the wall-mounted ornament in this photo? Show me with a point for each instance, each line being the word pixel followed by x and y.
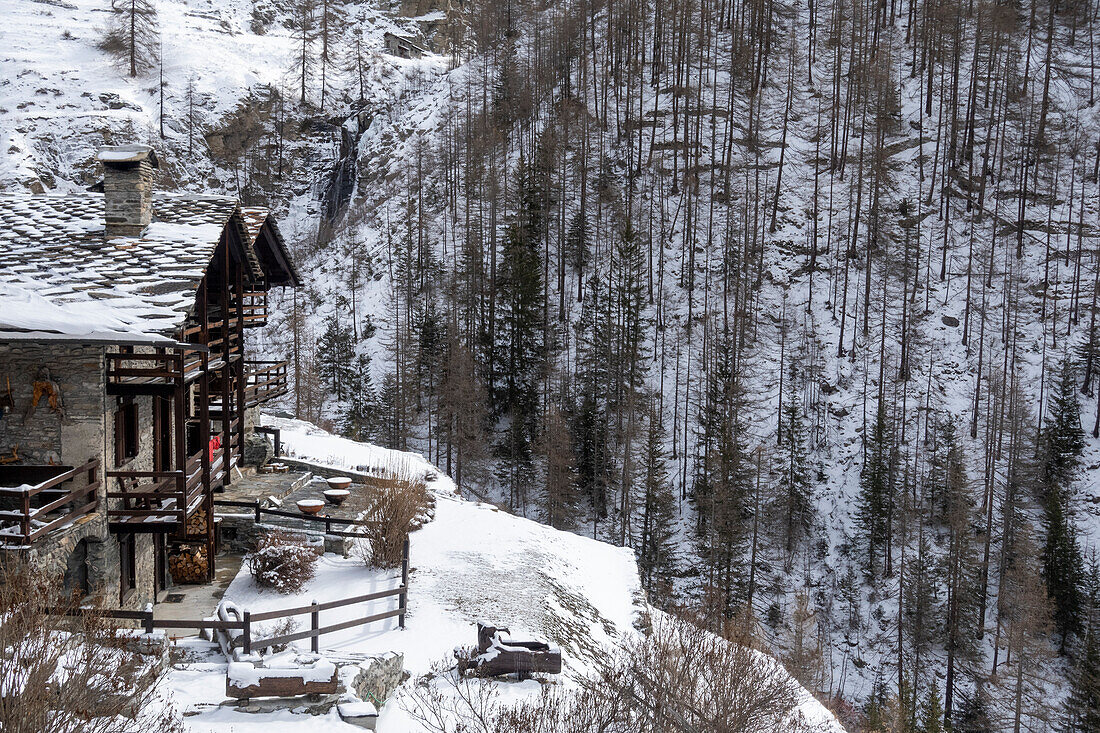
pixel 45 387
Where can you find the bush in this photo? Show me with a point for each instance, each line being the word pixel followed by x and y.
pixel 393 507
pixel 283 561
pixel 70 674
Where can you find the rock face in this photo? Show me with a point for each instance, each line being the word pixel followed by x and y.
pixel 379 677
pixel 257 451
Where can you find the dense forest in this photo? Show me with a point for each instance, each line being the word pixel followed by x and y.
pixel 797 299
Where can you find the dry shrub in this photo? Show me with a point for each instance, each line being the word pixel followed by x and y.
pixel 66 674
pixel 393 507
pixel 677 679
pixel 283 561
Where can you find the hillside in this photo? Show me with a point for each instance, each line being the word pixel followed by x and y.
pixel 796 300
pixel 471 563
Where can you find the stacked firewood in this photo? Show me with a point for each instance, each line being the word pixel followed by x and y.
pixel 189 565
pixel 196 524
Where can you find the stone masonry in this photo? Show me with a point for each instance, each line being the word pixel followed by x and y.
pixel 82 430
pixel 127 189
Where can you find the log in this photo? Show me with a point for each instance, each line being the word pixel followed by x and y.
pixel 497 655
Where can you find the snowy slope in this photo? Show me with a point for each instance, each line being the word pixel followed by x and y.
pixel 472 562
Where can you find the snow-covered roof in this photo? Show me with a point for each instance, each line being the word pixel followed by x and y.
pixel 27 315
pixel 54 247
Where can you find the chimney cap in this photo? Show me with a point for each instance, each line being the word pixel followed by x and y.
pixel 126 154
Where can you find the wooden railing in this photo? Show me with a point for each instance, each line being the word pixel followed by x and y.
pixel 259 511
pixel 264 380
pixel 149 622
pixel 66 504
pixel 254 306
pixel 166 496
pixel 134 372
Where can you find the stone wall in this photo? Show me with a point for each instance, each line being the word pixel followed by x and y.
pixel 82 429
pixel 70 436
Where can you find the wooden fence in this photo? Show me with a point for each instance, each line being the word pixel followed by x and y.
pixel 328 522
pixel 149 622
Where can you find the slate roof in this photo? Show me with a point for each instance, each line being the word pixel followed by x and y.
pixel 53 246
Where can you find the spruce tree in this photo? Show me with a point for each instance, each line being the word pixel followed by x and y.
pixel 1062 443
pixel 876 492
pixel 336 355
pixel 931 716
pixel 1083 705
pixel 359 417
pixel 590 421
pixel 655 546
pixel 793 467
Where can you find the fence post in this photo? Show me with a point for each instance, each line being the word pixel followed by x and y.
pixel 257 511
pixel 247 632
pixel 148 619
pixel 314 624
pixel 404 582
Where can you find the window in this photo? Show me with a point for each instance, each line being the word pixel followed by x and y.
pixel 127 563
pixel 126 432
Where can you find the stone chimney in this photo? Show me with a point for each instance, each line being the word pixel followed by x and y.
pixel 127 188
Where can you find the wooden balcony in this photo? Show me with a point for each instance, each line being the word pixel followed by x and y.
pixel 158 501
pixel 264 381
pixel 35 500
pixel 156 374
pixel 254 308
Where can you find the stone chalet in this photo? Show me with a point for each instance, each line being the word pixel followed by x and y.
pixel 127 397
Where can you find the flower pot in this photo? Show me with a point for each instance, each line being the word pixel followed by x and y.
pixel 339 482
pixel 310 506
pixel 337 496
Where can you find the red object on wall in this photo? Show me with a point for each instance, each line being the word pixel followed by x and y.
pixel 215 444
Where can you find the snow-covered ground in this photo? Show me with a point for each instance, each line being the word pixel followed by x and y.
pixel 472 562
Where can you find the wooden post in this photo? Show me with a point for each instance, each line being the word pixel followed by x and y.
pixel 314 624
pixel 148 620
pixel 247 632
pixel 257 511
pixel 227 372
pixel 404 582
pixel 242 377
pixel 25 520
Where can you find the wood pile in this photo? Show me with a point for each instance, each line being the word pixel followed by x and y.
pixel 189 565
pixel 196 523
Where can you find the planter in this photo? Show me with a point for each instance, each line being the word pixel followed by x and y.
pixel 337 497
pixel 310 506
pixel 339 482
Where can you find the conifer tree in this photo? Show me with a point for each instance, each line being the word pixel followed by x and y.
pixel 132 36
pixel 1083 706
pixel 336 355
pixel 576 246
pixel 931 716
pixel 590 421
pixel 876 492
pixel 655 545
pixel 794 472
pixel 1062 443
pixel 359 417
